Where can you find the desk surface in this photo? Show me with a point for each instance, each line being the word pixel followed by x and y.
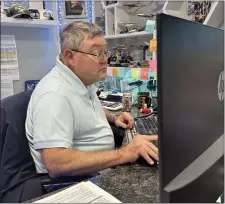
pixel 131 184
pixel 128 184
pixel 135 112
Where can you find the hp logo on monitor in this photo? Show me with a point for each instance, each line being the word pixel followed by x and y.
pixel 221 86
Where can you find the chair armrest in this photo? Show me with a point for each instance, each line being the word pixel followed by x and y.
pixel 46 180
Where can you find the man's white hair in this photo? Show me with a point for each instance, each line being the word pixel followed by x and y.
pixel 73 35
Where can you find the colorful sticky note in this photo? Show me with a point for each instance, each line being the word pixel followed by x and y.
pixel 152 65
pixel 150 26
pixel 122 71
pixel 109 71
pixel 155 74
pixel 135 73
pixel 150 74
pixel 153 45
pixel 144 74
pixel 115 71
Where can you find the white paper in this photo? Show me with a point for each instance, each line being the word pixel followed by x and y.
pixel 9 61
pixel 10 73
pixel 84 192
pixel 6 87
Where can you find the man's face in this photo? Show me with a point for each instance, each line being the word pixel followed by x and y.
pixel 88 67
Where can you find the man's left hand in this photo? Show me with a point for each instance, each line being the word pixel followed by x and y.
pixel 125 120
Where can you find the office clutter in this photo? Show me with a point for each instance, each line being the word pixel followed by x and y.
pixel 20 11
pixel 9 65
pixel 143 16
pixel 198 10
pixel 132 71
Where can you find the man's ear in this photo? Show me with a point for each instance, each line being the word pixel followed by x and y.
pixel 69 55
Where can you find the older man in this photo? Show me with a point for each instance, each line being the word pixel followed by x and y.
pixel 66 126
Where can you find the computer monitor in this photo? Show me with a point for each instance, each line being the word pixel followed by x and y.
pixel 191 110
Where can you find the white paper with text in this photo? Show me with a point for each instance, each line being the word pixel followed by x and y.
pixel 6 87
pixel 9 60
pixel 84 192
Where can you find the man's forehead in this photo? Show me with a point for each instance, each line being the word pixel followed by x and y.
pixel 95 42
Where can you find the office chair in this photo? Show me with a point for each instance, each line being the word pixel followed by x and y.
pixel 19 181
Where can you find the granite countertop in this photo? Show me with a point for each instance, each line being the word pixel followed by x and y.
pixel 130 183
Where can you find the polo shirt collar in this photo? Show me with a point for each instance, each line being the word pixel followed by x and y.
pixel 72 79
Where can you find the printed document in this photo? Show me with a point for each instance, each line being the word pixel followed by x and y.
pixel 9 60
pixel 84 192
pixel 6 87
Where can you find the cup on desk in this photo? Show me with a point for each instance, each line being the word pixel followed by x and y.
pixel 143 98
pixel 127 102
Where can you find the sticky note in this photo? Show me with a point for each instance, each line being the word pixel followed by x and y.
pixel 122 71
pixel 155 74
pixel 144 74
pixel 150 74
pixel 153 45
pixel 150 26
pixel 135 73
pixel 115 71
pixel 109 71
pixel 152 65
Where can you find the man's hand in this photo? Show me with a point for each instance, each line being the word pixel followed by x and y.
pixel 125 120
pixel 141 145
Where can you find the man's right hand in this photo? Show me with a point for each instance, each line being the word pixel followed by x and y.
pixel 141 145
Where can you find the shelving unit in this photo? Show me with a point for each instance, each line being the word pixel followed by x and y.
pixel 37 43
pixel 117 13
pixel 27 22
pixel 173 5
pixel 129 35
pixel 176 8
pixel 215 17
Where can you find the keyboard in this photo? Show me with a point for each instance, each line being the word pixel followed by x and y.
pixel 144 126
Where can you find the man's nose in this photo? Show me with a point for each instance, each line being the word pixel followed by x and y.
pixel 104 60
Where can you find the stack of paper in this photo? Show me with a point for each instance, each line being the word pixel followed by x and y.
pixel 84 192
pixel 9 65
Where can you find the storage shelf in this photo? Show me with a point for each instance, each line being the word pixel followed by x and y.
pixel 7 21
pixel 111 6
pixel 129 35
pixel 215 16
pixel 173 5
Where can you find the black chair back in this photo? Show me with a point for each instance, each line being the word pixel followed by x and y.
pixel 16 163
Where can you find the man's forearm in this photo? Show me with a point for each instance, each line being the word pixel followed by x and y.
pixel 69 162
pixel 109 115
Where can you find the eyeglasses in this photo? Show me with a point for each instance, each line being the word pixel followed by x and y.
pixel 98 56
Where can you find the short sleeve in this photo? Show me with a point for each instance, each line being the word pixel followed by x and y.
pixel 52 122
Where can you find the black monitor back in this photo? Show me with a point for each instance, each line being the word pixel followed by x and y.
pixel 191 110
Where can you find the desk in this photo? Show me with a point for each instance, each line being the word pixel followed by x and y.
pixel 129 184
pixel 135 112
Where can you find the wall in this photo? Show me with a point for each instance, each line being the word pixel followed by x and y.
pixel 66 21
pixel 98 10
pixel 35 4
pixel 36 53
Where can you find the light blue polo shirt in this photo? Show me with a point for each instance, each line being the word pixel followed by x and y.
pixel 63 112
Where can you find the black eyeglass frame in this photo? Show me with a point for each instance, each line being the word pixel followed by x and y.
pixel 99 56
